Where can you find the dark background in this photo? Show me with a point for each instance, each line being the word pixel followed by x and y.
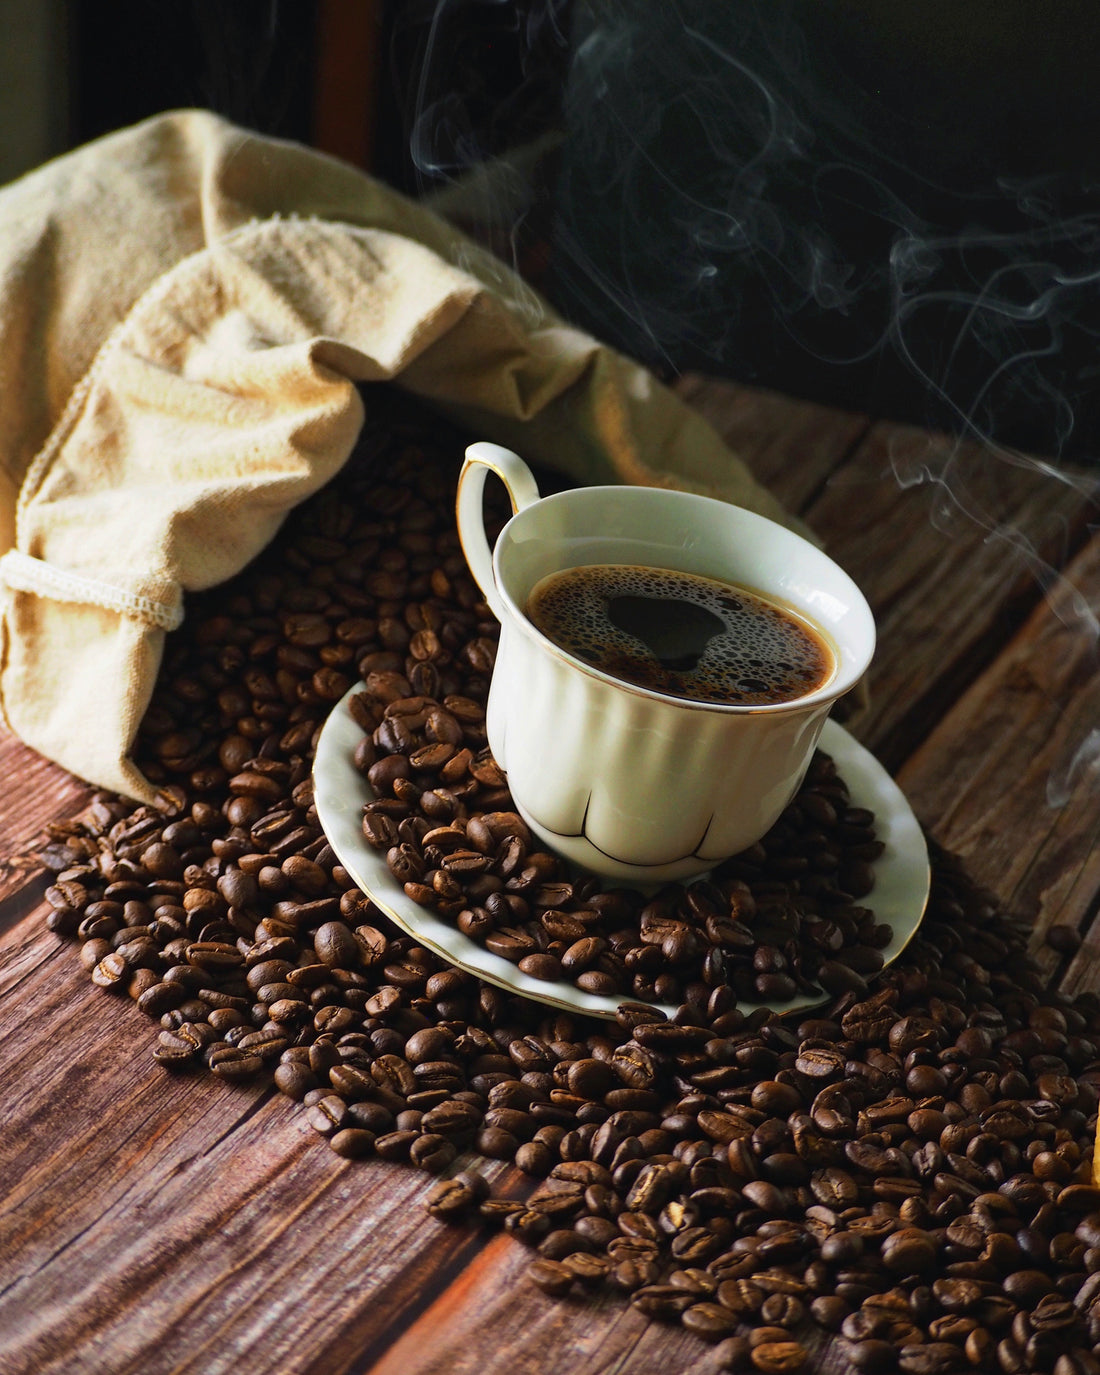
pixel 890 208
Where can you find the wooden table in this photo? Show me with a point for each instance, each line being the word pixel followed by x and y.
pixel 154 1224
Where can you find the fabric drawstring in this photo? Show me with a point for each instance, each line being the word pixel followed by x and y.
pixel 23 573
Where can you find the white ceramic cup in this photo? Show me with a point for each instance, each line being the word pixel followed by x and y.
pixel 628 782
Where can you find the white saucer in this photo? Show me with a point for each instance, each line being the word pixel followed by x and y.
pixel 340 792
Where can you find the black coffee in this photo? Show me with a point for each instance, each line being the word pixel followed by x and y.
pixel 681 634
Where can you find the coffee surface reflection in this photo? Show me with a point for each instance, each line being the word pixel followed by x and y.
pixel 682 634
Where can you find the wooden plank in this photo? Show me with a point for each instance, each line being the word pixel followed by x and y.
pixel 496 1323
pixel 492 1321
pixel 949 540
pixel 986 779
pixel 949 581
pixel 791 446
pixel 37 792
pixel 155 1223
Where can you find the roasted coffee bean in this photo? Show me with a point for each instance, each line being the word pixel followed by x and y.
pixel 354 1143
pixel 590 1078
pixel 711 1321
pixel 541 966
pixel 633 1273
pixel 779 1357
pixel 451 1198
pixel 782 1310
pixel 452 1118
pixel 872 1354
pixel 828 1311
pixel 295 1080
pixel 373 1117
pixel 909 1251
pixel 928 1358
pixel 328 1115
pixel 396 1145
pixel 559 1244
pixel 598 1230
pixel 551 1277
pixel 587 1269
pixel 112 972
pixel 336 945
pixel 234 1064
pixel 432 1152
pixel 741 1297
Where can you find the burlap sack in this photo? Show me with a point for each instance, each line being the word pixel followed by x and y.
pixel 185 309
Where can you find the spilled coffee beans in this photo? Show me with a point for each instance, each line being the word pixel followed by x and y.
pixel 904 1173
pixel 777 921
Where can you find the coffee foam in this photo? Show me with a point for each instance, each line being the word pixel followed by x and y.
pixel 763 653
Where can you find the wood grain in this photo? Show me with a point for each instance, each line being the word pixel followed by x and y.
pixel 584 1336
pixel 36 792
pixel 791 446
pixel 996 780
pixel 166 1223
pixel 952 542
pixel 949 584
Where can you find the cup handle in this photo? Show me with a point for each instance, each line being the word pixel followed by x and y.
pixel 481 459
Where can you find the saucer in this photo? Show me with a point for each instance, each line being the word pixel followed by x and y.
pixel 340 792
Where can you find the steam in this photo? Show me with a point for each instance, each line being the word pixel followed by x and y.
pixel 733 192
pixel 1083 770
pixel 1008 329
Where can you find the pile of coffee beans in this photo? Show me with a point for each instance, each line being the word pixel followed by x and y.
pixel 777 921
pixel 905 1172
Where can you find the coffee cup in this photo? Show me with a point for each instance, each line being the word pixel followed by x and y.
pixel 626 778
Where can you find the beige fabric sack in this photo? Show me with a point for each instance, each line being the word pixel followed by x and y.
pixel 185 309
